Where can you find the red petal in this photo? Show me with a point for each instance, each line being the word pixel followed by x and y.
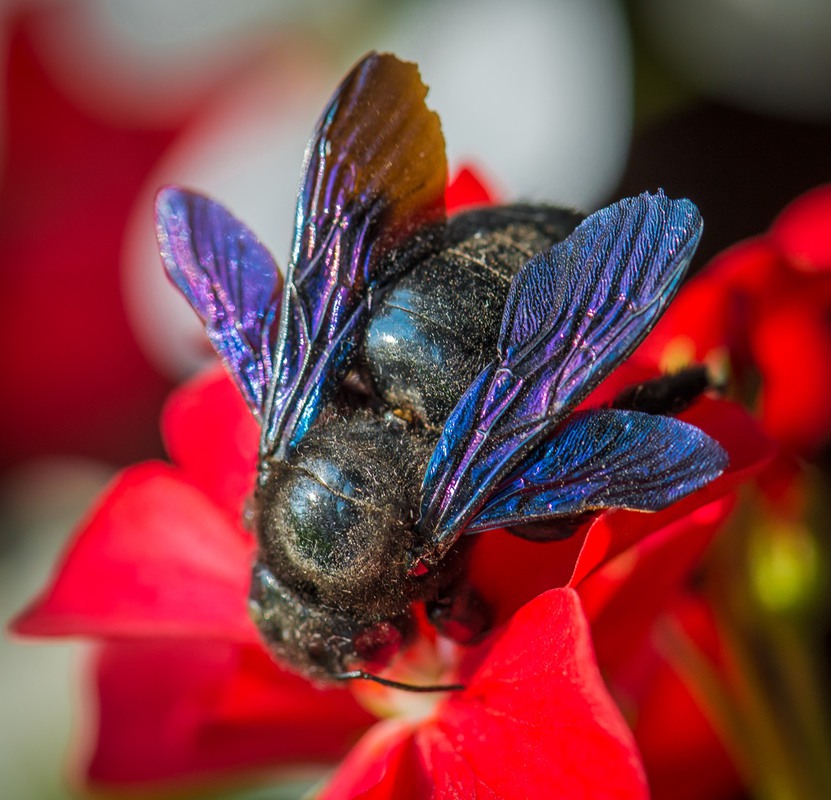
pixel 536 719
pixel 623 597
pixel 784 487
pixel 675 736
pixel 213 436
pixel 509 572
pixel 174 711
pixel 384 765
pixel 792 347
pixel 155 558
pixel 751 267
pixel 803 230
pixel 467 189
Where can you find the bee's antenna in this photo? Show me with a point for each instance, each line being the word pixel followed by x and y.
pixel 366 676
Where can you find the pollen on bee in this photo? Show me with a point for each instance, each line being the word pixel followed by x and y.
pixel 404 413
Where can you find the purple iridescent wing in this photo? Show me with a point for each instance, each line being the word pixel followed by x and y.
pixel 375 173
pixel 230 280
pixel 605 459
pixel 573 313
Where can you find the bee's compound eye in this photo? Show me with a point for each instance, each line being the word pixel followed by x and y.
pixel 378 644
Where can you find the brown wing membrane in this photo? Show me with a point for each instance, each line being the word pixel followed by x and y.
pixel 377 149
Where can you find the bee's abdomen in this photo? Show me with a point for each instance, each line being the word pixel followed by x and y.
pixel 437 328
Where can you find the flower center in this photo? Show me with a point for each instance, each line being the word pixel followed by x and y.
pixel 427 662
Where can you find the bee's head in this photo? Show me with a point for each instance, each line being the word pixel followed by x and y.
pixel 317 641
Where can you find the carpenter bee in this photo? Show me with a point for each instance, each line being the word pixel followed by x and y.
pixel 415 377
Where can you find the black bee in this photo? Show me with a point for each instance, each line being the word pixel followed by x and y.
pixel 415 377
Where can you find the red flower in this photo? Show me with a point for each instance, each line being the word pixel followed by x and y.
pixel 68 182
pixel 688 761
pixel 158 575
pixel 765 304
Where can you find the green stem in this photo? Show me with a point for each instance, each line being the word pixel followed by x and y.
pixel 773 683
pixel 783 768
pixel 746 724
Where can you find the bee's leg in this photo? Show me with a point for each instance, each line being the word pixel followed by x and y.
pixel 461 614
pixel 669 394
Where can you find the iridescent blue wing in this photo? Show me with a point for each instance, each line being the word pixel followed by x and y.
pixel 375 173
pixel 605 459
pixel 573 313
pixel 230 280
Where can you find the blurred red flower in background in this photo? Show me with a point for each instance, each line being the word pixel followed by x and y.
pixel 158 575
pixel 760 315
pixel 68 184
pixel 764 306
